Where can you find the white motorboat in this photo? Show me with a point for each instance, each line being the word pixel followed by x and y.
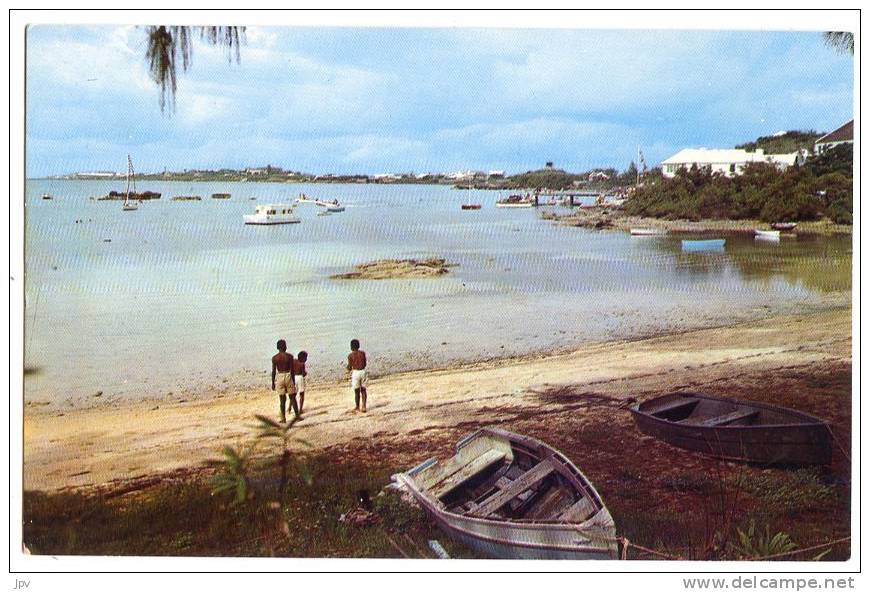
pixel 269 214
pixel 331 206
pixel 305 199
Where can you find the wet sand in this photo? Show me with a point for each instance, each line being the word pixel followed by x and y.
pixel 138 441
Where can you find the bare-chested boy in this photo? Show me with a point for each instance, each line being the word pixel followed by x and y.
pixel 300 372
pixel 356 365
pixel 282 366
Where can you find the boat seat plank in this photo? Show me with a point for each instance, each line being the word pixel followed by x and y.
pixel 462 473
pixel 728 418
pixel 528 479
pixel 579 511
pixel 503 482
pixel 671 406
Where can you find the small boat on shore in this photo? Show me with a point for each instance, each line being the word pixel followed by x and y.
pixel 220 196
pixel 515 201
pixel 271 214
pixel 712 244
pixel 648 231
pixel 784 226
pixel 513 497
pixel 736 430
pixel 769 235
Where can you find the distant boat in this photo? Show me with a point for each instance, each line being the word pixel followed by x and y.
pixel 769 235
pixel 468 205
pixel 331 206
pixel 736 430
pixel 129 206
pixel 220 196
pixel 46 196
pixel 305 199
pixel 187 198
pixel 784 226
pixel 513 497
pixel 713 244
pixel 270 214
pixel 648 231
pixel 515 201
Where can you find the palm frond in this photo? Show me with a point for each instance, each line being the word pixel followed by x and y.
pixel 166 44
pixel 842 41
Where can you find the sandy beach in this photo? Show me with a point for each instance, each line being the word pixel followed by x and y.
pixel 108 447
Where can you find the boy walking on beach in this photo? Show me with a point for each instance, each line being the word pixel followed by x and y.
pixel 356 365
pixel 282 367
pixel 300 374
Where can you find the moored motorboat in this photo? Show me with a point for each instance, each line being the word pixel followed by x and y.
pixel 513 497
pixel 46 196
pixel 769 235
pixel 736 430
pixel 471 206
pixel 305 199
pixel 331 206
pixel 713 244
pixel 270 214
pixel 784 226
pixel 515 201
pixel 220 196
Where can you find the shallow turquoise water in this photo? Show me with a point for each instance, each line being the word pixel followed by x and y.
pixel 185 296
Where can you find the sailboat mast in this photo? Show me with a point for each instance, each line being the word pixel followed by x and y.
pixel 129 168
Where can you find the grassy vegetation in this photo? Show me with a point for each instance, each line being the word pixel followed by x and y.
pixel 820 188
pixel 789 142
pixel 185 518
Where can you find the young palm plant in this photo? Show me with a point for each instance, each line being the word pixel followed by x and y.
pixel 269 429
pixel 233 475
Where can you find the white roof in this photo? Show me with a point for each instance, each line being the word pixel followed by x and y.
pixel 727 156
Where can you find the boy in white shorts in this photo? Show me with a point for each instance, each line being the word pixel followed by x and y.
pixel 300 373
pixel 356 365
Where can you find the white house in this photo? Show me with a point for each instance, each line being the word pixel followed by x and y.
pixel 841 135
pixel 728 162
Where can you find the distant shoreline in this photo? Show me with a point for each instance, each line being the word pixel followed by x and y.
pixel 609 219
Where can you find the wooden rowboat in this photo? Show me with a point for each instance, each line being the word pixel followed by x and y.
pixel 713 244
pixel 784 226
pixel 512 497
pixel 769 235
pixel 648 231
pixel 736 430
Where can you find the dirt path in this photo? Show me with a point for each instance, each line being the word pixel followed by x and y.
pixel 95 446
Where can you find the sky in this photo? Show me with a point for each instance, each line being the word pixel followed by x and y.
pixel 376 100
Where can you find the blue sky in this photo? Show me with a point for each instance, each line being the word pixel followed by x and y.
pixel 373 100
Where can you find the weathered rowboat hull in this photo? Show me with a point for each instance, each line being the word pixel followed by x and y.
pixel 594 537
pixel 714 244
pixel 780 436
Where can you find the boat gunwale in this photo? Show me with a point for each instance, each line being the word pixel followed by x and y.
pixel 812 420
pixel 530 544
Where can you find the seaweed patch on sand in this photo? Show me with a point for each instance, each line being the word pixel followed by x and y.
pixel 388 269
